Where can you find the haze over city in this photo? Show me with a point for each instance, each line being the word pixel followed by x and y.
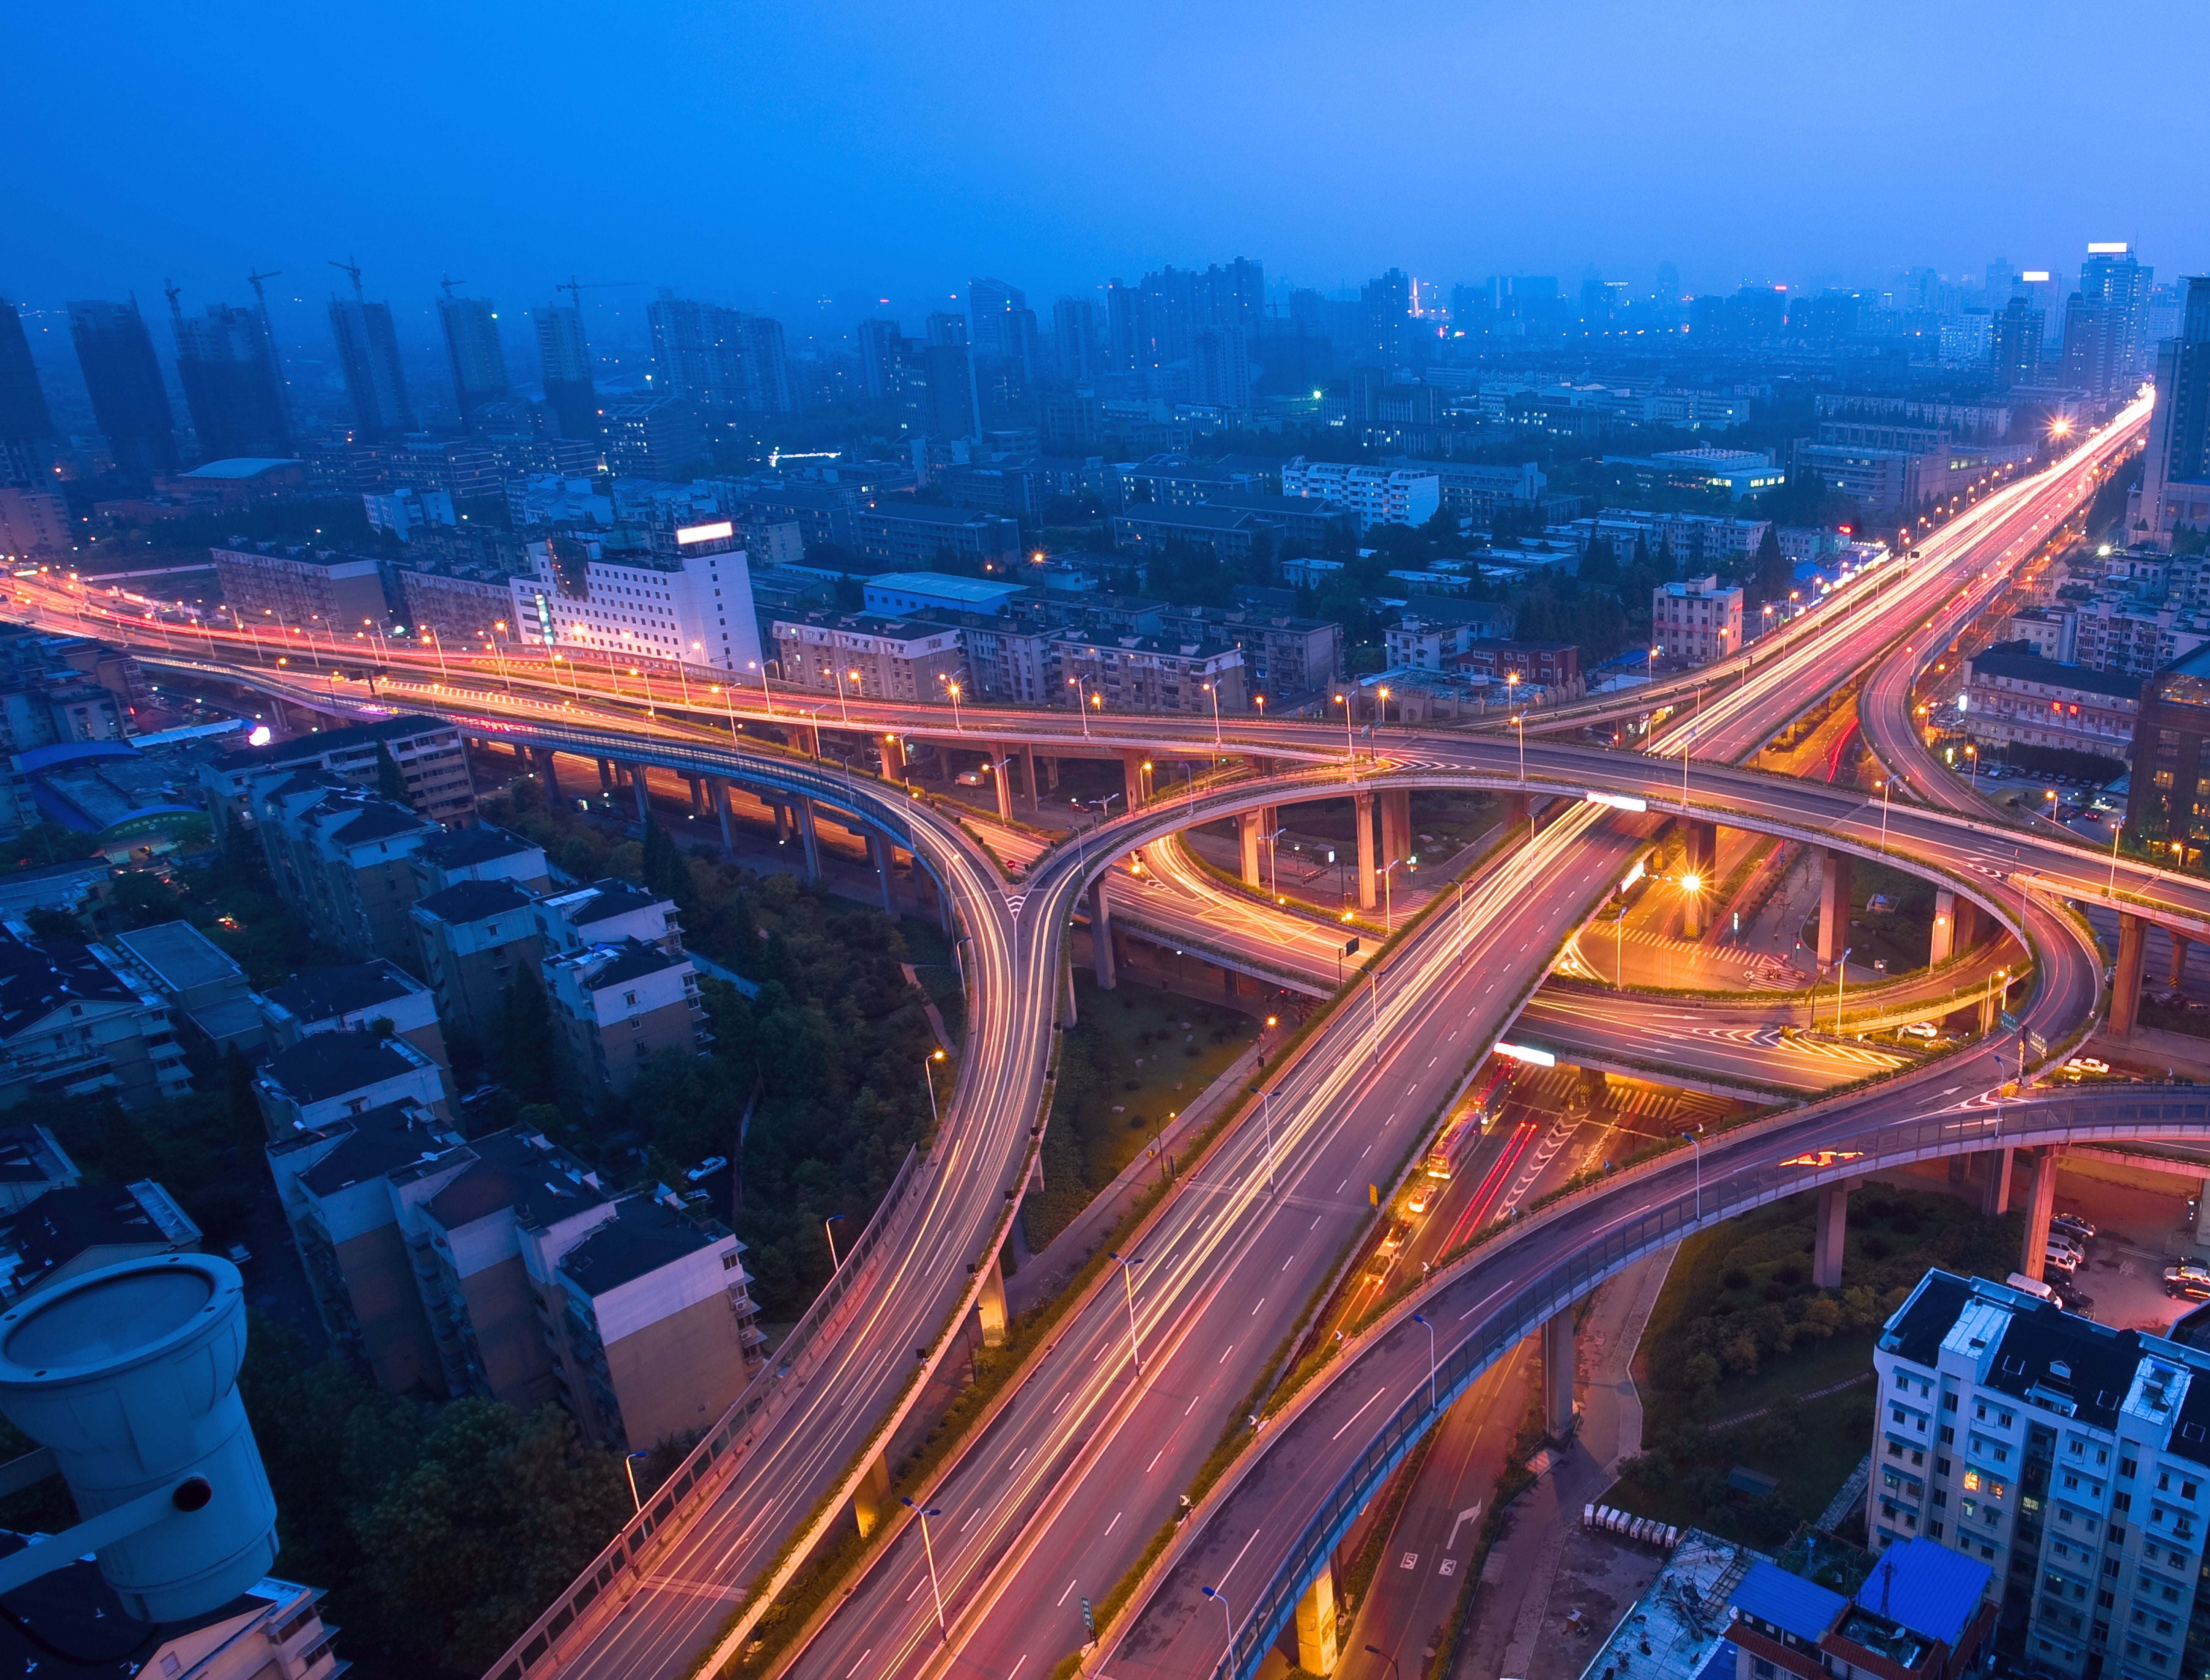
pixel 1151 843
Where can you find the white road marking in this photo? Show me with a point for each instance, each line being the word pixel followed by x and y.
pixel 1062 1597
pixel 1154 1463
pixel 856 1667
pixel 1114 1524
pixel 1354 1416
pixel 1224 1352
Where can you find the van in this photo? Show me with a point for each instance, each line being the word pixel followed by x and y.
pixel 2018 1280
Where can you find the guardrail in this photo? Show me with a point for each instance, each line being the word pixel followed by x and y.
pixel 715 1460
pixel 1566 1282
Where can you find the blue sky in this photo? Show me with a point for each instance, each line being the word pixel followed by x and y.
pixel 771 154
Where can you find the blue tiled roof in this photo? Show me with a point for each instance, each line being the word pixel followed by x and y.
pixel 1789 1603
pixel 1929 1589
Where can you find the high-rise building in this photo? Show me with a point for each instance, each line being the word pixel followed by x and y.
pixel 26 428
pixel 989 303
pixel 2014 344
pixel 2175 475
pixel 1122 305
pixel 881 343
pixel 116 352
pixel 226 363
pixel 2113 279
pixel 936 393
pixel 479 360
pixel 1669 283
pixel 1220 367
pixel 1074 339
pixel 1386 316
pixel 723 360
pixel 1151 325
pixel 570 391
pixel 368 353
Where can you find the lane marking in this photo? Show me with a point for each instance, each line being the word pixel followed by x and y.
pixel 1354 1416
pixel 1113 1524
pixel 1154 1463
pixel 1224 1352
pixel 1062 1597
pixel 1262 1301
pixel 856 1667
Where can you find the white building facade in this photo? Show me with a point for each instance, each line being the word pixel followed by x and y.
pixel 588 601
pixel 1378 495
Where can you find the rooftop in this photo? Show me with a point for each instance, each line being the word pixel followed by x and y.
pixel 643 1235
pixel 473 901
pixel 324 994
pixel 980 590
pixel 240 466
pixel 1789 1603
pixel 65 1222
pixel 1928 1587
pixel 179 956
pixel 329 1064
pixel 519 1171
pixel 603 900
pixel 29 1155
pixel 1998 662
pixel 307 748
pixel 36 980
pixel 369 1144
pixel 632 959
pixel 463 848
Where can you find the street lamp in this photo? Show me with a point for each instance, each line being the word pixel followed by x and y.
pixel 953 689
pixel 844 705
pixel 1081 704
pixel 1841 969
pixel 1973 754
pixel 1213 689
pixel 1520 723
pixel 928 1547
pixel 1697 1144
pixel 1430 1329
pixel 767 699
pixel 1376 1651
pixel 1349 750
pixel 928 1079
pixel 1221 1599
pixel 1128 1264
pixel 1267 1118
pixel 629 1463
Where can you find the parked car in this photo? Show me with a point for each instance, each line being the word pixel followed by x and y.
pixel 2059 1260
pixel 2188 1281
pixel 707 1167
pixel 2059 1243
pixel 2072 1226
pixel 477 1097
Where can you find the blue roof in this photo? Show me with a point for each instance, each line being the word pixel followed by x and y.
pixel 1929 1589
pixel 1720 1664
pixel 1789 1603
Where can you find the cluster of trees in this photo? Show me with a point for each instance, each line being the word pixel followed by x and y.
pixel 1691 1463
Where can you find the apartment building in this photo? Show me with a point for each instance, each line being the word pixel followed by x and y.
pixel 617 1003
pixel 2012 695
pixel 340 859
pixel 2135 635
pixel 347 997
pixel 68 1232
pixel 898 535
pixel 479 853
pixel 1695 620
pixel 2071 1458
pixel 1284 657
pixel 77 1020
pixel 328 1076
pixel 204 989
pixel 469 937
pixel 427 750
pixel 325 596
pixel 595 596
pixel 31 1163
pixel 606 912
pixel 2169 793
pixel 1689 539
pixel 1134 673
pixel 860 654
pixel 1376 495
pixel 1477 491
pixel 1925 1614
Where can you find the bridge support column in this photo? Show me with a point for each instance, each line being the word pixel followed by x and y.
pixel 698 806
pixel 1246 827
pixel 872 1496
pixel 2041 1202
pixel 889 751
pixel 606 775
pixel 990 1305
pixel 721 810
pixel 636 785
pixel 803 811
pixel 1699 855
pixel 1558 1375
pixel 2179 944
pixel 1994 1191
pixel 1101 936
pixel 2126 974
pixel 1362 811
pixel 1051 774
pixel 1318 1650
pixel 1001 780
pixel 884 855
pixel 1029 771
pixel 1943 945
pixel 552 777
pixel 1833 905
pixel 1832 1234
pixel 1396 825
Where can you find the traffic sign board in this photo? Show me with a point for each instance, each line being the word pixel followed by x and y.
pixel 2009 1022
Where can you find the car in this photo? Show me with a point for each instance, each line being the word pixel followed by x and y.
pixel 1395 1240
pixel 2058 1259
pixel 707 1167
pixel 972 778
pixel 2072 1226
pixel 2187 1280
pixel 1925 1030
pixel 2073 1301
pixel 2059 1242
pixel 477 1097
pixel 1422 1189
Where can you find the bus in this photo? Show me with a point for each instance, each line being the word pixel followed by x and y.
pixel 1470 1123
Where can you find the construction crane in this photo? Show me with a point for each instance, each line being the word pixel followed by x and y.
pixel 170 290
pixel 446 283
pixel 254 279
pixel 576 289
pixel 351 270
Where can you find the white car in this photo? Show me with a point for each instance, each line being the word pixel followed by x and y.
pixel 1925 1030
pixel 2061 1260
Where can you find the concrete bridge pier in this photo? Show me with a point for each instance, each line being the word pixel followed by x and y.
pixel 1028 774
pixel 1833 904
pixel 892 751
pixel 1247 828
pixel 2041 1202
pixel 1700 850
pixel 885 856
pixel 700 805
pixel 803 811
pixel 636 786
pixel 2126 974
pixel 1833 1233
pixel 1001 780
pixel 1558 1375
pixel 1516 808
pixel 1943 944
pixel 990 1305
pixel 1995 1190
pixel 1396 825
pixel 606 775
pixel 1050 774
pixel 728 836
pixel 1362 808
pixel 2179 944
pixel 550 776
pixel 1318 1648
pixel 871 1499
pixel 1101 936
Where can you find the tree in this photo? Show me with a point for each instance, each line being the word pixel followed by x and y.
pixel 1770 573
pixel 389 783
pixel 529 1052
pixel 1600 563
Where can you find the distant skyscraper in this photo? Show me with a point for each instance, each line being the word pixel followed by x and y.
pixel 26 428
pixel 2014 344
pixel 116 352
pixel 570 391
pixel 1123 304
pixel 1669 283
pixel 226 363
pixel 881 343
pixel 1220 367
pixel 2000 275
pixel 1074 339
pixel 1385 308
pixel 368 352
pixel 472 346
pixel 721 359
pixel 2175 475
pixel 989 303
pixel 2112 280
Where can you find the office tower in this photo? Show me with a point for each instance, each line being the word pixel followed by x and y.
pixel 880 344
pixel 2014 344
pixel 989 304
pixel 2175 475
pixel 1074 339
pixel 27 429
pixel 1669 283
pixel 2000 275
pixel 1220 367
pixel 368 353
pixel 226 363
pixel 723 360
pixel 1386 314
pixel 565 354
pixel 1121 307
pixel 472 346
pixel 936 393
pixel 944 328
pixel 131 405
pixel 2112 280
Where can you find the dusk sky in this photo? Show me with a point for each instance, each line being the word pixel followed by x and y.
pixel 770 155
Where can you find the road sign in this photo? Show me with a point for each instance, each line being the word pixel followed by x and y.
pixel 1089 1622
pixel 2009 1021
pixel 1351 947
pixel 1374 1194
pixel 2036 1044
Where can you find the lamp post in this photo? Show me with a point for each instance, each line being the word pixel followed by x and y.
pixel 682 671
pixel 437 644
pixel 929 1549
pixel 928 1079
pixel 842 704
pixel 767 699
pixel 1841 968
pixel 829 1230
pixel 1213 689
pixel 1349 750
pixel 1221 1598
pixel 1697 1144
pixel 1519 724
pixel 2118 833
pixel 957 726
pixel 1972 755
pixel 1376 1651
pixel 628 1464
pixel 1081 704
pixel 1128 1264
pixel 1267 1118
pixel 1430 1329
